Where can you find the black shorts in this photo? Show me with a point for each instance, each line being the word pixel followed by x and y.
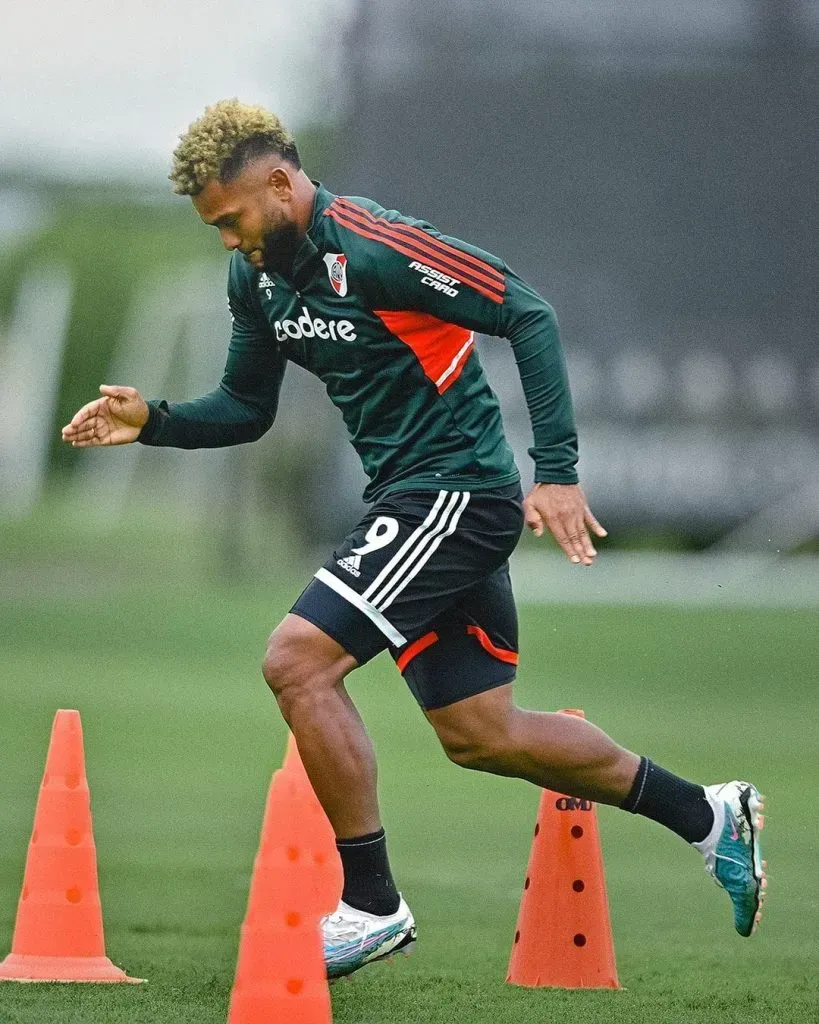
pixel 425 574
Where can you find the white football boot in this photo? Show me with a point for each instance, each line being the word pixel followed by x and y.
pixel 353 938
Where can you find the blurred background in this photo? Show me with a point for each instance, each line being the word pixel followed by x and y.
pixel 648 166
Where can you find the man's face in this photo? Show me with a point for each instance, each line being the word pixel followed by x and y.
pixel 254 214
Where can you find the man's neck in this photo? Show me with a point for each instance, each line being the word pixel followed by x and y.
pixel 305 202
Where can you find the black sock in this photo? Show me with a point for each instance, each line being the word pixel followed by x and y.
pixel 679 805
pixel 368 883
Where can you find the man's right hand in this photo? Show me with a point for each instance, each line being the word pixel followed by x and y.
pixel 116 418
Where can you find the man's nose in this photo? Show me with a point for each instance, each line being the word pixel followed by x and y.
pixel 230 240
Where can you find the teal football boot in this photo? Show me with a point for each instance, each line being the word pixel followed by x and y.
pixel 732 852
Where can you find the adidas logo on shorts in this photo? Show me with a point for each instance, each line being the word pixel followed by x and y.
pixel 351 563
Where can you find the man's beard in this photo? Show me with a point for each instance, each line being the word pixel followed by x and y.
pixel 279 248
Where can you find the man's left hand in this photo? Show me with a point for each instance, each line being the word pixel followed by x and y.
pixel 562 508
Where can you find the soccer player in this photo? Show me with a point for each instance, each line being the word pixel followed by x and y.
pixel 382 308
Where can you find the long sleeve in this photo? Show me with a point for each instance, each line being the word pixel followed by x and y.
pixel 243 407
pixel 530 324
pixel 481 293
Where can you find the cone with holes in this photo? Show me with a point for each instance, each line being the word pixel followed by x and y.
pixel 280 973
pixel 315 831
pixel 563 937
pixel 58 935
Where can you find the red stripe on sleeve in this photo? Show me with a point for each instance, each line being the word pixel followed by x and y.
pixel 415 648
pixel 480 268
pixel 497 652
pixel 410 248
pixel 433 248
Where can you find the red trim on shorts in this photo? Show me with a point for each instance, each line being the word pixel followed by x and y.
pixel 415 648
pixel 497 652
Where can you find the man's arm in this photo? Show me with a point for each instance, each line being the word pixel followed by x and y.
pixel 556 501
pixel 240 409
pixel 243 407
pixel 484 295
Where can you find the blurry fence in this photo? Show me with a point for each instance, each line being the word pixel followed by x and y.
pixel 30 370
pixel 655 178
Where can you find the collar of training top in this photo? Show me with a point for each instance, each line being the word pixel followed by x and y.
pixel 310 248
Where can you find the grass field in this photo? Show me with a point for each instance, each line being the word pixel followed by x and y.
pixel 181 737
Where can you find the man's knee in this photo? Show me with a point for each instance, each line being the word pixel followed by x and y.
pixel 284 662
pixel 301 659
pixel 481 747
pixel 479 732
pixel 466 753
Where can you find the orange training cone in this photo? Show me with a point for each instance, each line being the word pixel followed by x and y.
pixel 292 758
pixel 280 973
pixel 314 828
pixel 563 936
pixel 58 935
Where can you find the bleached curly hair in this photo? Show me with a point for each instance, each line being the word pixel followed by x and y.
pixel 223 140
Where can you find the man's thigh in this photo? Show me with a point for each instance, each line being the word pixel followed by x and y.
pixel 467 650
pixel 413 557
pixel 297 650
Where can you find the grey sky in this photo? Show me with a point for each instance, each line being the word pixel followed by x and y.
pixel 99 85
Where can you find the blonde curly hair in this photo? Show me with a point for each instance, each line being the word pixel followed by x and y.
pixel 223 140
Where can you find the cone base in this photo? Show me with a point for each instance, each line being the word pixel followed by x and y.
pixel 262 1008
pixel 93 969
pixel 610 984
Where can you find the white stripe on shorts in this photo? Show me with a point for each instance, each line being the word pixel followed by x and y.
pixel 431 539
pixel 373 614
pixel 420 563
pixel 405 547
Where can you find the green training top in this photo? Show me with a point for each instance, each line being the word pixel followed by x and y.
pixel 382 308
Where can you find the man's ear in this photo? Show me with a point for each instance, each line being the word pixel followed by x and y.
pixel 279 179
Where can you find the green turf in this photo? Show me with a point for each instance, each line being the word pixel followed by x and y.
pixel 181 737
